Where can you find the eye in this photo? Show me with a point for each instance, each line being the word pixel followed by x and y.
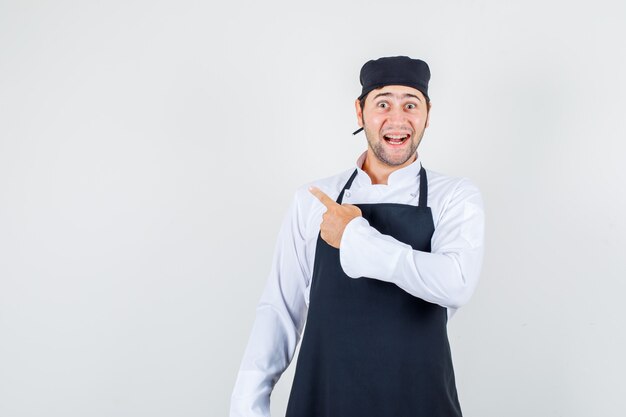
pixel 382 105
pixel 411 106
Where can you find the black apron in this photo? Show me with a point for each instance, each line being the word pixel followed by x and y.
pixel 370 349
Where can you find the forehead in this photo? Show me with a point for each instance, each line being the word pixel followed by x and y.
pixel 397 91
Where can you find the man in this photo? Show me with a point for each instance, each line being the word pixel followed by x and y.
pixel 375 259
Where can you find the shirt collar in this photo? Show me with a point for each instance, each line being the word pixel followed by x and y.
pixel 402 176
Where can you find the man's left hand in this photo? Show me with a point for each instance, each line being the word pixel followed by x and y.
pixel 336 217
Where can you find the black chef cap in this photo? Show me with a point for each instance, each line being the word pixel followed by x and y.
pixel 394 70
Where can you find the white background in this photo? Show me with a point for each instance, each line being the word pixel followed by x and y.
pixel 149 150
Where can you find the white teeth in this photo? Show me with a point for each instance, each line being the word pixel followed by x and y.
pixel 396 136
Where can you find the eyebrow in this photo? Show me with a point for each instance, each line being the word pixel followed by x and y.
pixel 391 94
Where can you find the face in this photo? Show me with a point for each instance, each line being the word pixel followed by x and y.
pixel 394 119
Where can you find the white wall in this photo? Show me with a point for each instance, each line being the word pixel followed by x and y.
pixel 149 149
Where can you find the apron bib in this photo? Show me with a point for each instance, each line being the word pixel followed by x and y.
pixel 369 348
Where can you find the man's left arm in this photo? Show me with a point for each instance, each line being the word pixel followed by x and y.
pixel 447 275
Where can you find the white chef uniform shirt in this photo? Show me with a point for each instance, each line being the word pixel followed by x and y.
pixel 446 276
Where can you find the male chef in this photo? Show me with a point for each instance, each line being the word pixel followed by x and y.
pixel 375 260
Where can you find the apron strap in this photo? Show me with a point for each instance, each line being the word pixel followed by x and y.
pixel 423 202
pixel 348 184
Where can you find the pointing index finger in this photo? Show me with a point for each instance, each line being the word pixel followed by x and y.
pixel 323 198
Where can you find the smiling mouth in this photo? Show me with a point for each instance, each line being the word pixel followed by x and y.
pixel 396 139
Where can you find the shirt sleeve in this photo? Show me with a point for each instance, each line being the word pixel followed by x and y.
pixel 447 275
pixel 280 316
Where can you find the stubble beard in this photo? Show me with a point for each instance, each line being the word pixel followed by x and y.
pixel 380 152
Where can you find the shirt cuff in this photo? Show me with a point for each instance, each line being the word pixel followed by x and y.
pixel 365 252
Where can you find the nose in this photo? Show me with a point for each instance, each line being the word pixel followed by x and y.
pixel 397 116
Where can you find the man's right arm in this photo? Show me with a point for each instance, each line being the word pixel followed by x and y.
pixel 280 316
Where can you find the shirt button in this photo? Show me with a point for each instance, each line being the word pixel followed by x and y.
pixel 347 193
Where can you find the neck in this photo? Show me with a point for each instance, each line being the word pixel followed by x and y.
pixel 378 171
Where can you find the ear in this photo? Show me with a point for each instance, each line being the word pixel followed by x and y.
pixel 359 112
pixel 428 114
